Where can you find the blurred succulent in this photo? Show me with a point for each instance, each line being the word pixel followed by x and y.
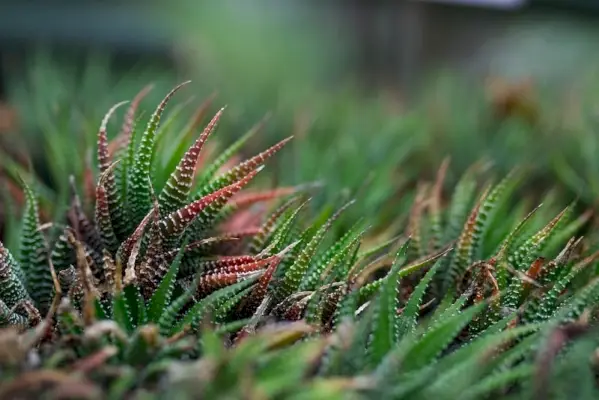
pixel 477 323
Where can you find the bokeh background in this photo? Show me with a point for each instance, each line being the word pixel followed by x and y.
pixel 377 93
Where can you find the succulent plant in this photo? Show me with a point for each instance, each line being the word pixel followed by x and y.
pixel 144 267
pixel 177 282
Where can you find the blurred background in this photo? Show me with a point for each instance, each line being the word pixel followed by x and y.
pixel 377 92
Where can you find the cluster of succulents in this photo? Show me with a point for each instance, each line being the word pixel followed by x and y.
pixel 172 278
